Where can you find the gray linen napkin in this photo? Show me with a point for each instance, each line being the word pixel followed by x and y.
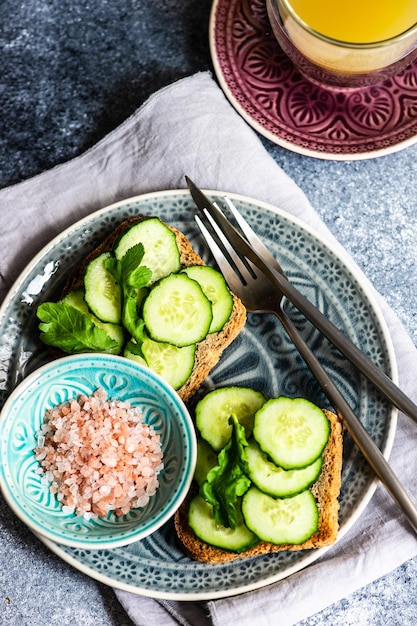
pixel 190 128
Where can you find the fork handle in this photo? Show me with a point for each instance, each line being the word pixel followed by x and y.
pixel 381 381
pixel 360 436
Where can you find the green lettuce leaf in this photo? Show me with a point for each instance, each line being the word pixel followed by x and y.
pixel 130 319
pixel 133 279
pixel 227 482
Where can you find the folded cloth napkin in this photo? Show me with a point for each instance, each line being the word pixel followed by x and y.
pixel 190 128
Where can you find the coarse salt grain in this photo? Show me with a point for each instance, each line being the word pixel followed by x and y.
pixel 98 456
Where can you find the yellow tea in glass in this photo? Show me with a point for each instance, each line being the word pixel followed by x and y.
pixel 357 21
pixel 348 43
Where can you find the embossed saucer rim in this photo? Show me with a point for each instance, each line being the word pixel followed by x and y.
pixel 275 137
pixel 177 202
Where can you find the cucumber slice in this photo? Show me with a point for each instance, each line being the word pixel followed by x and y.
pixel 283 520
pixel 76 299
pixel 214 410
pixel 216 290
pixel 275 480
pixel 102 293
pixel 176 311
pixel 201 520
pixel 206 460
pixel 161 253
pixel 172 363
pixel 292 431
pixel 114 331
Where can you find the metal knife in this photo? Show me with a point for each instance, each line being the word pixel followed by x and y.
pixel 385 385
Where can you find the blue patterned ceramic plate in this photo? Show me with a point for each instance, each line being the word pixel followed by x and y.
pixel 262 357
pixel 66 379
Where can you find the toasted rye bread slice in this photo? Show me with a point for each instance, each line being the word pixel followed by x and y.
pixel 326 491
pixel 209 351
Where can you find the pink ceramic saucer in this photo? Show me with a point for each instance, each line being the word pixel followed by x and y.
pixel 270 94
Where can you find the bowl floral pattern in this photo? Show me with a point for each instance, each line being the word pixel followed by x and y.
pixel 66 379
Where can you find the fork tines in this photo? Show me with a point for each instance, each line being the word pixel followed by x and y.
pixel 225 255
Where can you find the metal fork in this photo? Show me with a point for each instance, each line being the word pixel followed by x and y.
pixel 259 294
pixel 253 248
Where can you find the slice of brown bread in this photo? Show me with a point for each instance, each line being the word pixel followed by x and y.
pixel 209 351
pixel 325 490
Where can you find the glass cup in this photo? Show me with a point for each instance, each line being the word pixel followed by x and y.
pixel 336 63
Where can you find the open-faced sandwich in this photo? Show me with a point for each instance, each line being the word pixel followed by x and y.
pixel 146 294
pixel 268 477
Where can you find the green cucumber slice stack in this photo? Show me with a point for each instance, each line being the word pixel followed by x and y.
pixel 280 520
pixel 212 413
pixel 140 302
pixel 293 432
pixel 214 287
pixel 161 254
pixel 103 294
pixel 202 521
pixel 278 506
pixel 173 363
pixel 177 311
pixel 274 479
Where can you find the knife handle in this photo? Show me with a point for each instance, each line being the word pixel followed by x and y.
pixel 381 381
pixel 353 425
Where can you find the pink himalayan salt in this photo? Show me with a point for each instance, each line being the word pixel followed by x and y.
pixel 98 456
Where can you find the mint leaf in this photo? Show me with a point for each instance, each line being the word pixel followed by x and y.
pixel 139 277
pixel 227 481
pixel 128 270
pixel 70 330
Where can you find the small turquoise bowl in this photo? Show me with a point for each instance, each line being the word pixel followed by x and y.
pixel 67 378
